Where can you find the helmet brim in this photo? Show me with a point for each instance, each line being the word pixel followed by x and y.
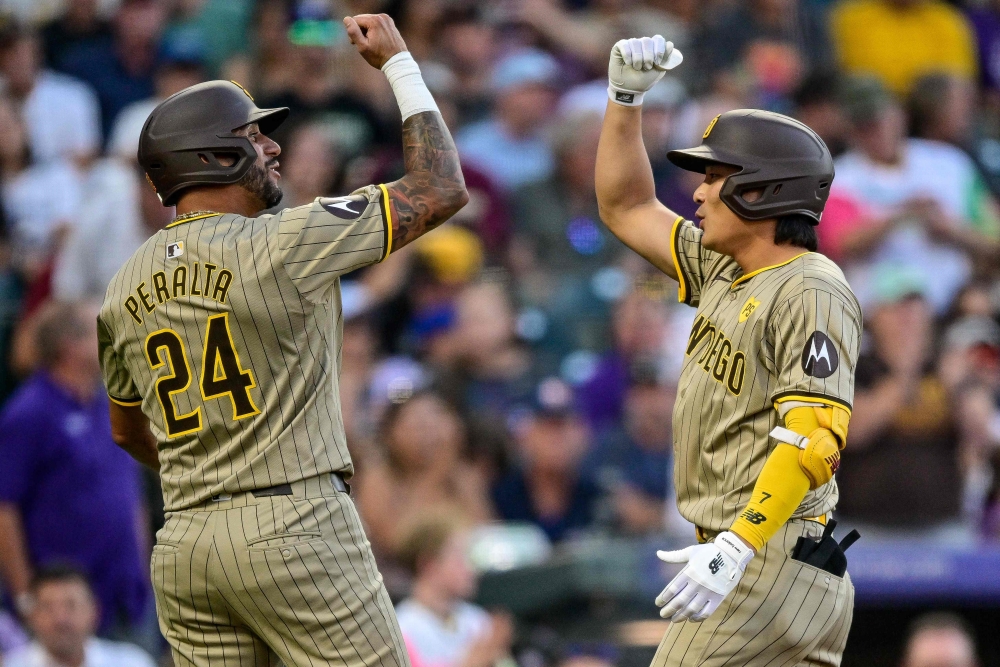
pixel 698 158
pixel 268 120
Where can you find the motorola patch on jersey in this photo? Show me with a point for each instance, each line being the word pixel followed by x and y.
pixel 820 358
pixel 345 208
pixel 175 250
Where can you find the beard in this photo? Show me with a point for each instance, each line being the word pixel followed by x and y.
pixel 257 183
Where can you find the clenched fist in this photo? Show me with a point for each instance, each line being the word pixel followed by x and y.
pixel 636 65
pixel 376 37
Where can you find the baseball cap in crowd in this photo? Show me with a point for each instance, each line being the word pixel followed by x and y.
pixel 453 254
pixel 888 283
pixel 395 380
pixel 525 67
pixel 973 331
pixel 863 99
pixel 553 399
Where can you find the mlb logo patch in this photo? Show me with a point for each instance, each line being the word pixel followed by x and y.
pixel 175 250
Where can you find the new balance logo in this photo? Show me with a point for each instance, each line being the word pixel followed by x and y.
pixel 716 564
pixel 754 517
pixel 628 98
pixel 833 461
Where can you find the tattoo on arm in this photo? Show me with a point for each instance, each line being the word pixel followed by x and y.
pixel 433 188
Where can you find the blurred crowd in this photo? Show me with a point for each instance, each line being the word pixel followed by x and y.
pixel 518 364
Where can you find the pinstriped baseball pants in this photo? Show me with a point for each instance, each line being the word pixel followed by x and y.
pixel 244 581
pixel 784 613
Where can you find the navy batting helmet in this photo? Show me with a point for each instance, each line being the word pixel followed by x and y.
pixel 185 134
pixel 776 154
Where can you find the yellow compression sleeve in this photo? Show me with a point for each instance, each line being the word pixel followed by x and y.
pixel 802 420
pixel 779 490
pixel 781 486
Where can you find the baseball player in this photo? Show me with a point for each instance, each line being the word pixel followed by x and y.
pixel 220 342
pixel 765 391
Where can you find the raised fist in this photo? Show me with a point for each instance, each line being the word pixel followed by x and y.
pixel 637 64
pixel 375 36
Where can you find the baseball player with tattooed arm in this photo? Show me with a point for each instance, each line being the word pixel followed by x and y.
pixel 220 342
pixel 765 391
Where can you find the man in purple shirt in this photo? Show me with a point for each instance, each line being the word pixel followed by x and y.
pixel 68 494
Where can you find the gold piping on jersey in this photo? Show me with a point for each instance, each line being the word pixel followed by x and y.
pixel 387 216
pixel 808 397
pixel 128 403
pixel 682 291
pixel 750 275
pixel 181 219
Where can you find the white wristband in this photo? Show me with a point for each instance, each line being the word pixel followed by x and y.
pixel 626 98
pixel 408 86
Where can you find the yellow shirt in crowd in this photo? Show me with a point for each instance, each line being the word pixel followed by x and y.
pixel 900 44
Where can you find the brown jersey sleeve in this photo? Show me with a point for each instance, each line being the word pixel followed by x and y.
pixel 117 379
pixel 816 338
pixel 332 236
pixel 692 261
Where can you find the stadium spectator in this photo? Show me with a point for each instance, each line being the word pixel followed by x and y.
pixel 589 33
pixel 970 368
pixel 918 198
pixel 633 461
pixel 40 200
pixel 900 475
pixel 816 103
pixel 547 487
pixel 424 467
pixel 107 229
pixel 266 67
pixel 940 640
pixel 641 325
pixel 467 45
pixel 67 492
pixel 61 113
pixel 795 27
pixel 63 614
pixel 311 164
pixel 121 70
pixel 493 375
pixel 440 626
pixel 511 146
pixel 899 40
pixel 216 28
pixel 942 108
pixel 80 24
pixel 317 91
pixel 558 226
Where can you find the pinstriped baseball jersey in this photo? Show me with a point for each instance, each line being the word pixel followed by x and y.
pixel 227 331
pixel 789 332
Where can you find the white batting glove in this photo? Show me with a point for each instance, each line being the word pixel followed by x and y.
pixel 636 65
pixel 711 573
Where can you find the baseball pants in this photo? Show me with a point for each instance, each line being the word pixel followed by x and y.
pixel 242 581
pixel 783 613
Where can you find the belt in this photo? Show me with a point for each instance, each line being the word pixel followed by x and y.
pixel 336 478
pixel 704 535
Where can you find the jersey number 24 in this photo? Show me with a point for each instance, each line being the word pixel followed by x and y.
pixel 222 375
